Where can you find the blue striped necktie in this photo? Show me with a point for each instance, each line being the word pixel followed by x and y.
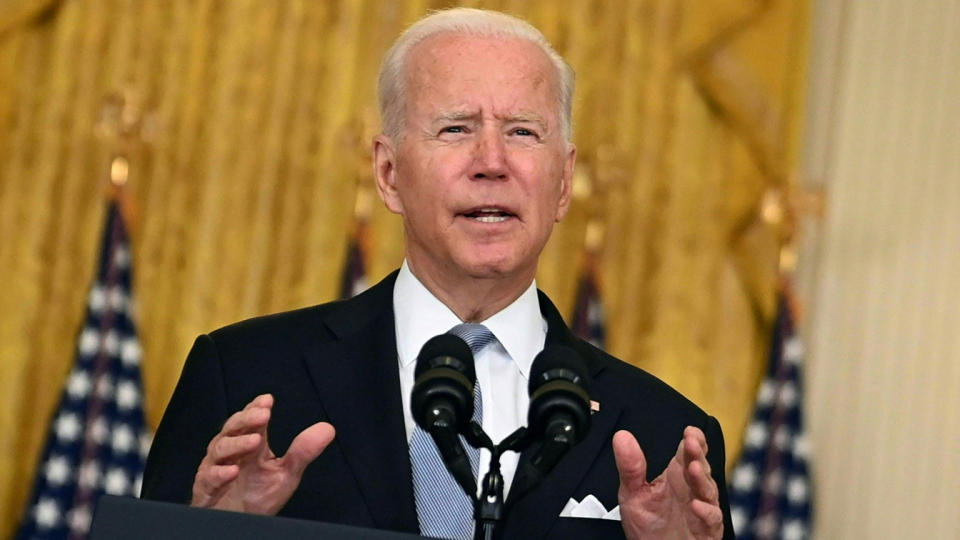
pixel 443 509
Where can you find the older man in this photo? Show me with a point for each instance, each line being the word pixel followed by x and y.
pixel 476 157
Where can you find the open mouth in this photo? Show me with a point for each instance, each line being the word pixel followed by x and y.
pixel 489 215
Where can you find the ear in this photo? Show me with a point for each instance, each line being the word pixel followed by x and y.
pixel 566 181
pixel 385 171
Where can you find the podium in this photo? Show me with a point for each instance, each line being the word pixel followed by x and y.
pixel 124 517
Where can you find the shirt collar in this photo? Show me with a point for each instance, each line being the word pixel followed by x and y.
pixel 419 315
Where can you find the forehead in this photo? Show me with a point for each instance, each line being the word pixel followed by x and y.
pixel 456 70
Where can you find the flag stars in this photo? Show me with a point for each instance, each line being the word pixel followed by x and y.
pixel 78 384
pixel 46 513
pixel 117 299
pixel 766 393
pixel 121 257
pixel 97 298
pixel 797 490
pixel 67 427
pixel 116 482
pixel 57 470
pixel 788 395
pixel 89 341
pixel 744 478
pixel 122 440
pixel 793 530
pixel 756 435
pixel 101 298
pixel 127 395
pixel 793 350
pixel 130 352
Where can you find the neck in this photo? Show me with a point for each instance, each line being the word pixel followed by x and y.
pixel 472 299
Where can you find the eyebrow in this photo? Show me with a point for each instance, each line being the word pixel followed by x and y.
pixel 459 116
pixel 529 117
pixel 456 116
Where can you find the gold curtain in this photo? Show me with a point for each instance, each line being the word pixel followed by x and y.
pixel 687 112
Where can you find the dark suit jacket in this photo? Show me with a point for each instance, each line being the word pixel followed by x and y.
pixel 338 362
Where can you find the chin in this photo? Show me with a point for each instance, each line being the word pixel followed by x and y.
pixel 491 266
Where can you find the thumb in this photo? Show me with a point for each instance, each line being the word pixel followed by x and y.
pixel 631 462
pixel 309 444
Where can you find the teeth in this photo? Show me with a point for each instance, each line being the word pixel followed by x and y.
pixel 491 219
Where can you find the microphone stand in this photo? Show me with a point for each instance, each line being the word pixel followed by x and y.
pixel 488 508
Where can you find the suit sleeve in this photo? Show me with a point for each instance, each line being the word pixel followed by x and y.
pixel 716 456
pixel 195 414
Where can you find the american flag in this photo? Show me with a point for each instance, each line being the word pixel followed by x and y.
pixel 98 440
pixel 354 279
pixel 588 321
pixel 770 486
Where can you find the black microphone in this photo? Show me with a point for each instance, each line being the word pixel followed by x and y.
pixel 559 405
pixel 442 401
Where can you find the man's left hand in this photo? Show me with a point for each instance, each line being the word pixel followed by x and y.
pixel 682 503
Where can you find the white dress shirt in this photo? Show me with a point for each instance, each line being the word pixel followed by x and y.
pixel 503 368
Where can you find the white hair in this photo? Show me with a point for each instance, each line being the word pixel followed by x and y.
pixel 469 21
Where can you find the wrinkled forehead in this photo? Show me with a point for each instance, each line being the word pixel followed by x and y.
pixel 450 65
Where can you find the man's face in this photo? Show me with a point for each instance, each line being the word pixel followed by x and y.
pixel 481 171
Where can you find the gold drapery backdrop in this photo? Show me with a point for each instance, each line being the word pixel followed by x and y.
pixel 242 196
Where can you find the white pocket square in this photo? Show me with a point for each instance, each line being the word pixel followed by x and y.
pixel 589 507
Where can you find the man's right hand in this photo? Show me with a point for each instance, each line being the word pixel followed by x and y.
pixel 241 473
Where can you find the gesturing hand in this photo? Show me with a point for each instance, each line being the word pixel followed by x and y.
pixel 241 473
pixel 681 503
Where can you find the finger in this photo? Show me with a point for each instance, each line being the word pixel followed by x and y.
pixel 695 433
pixel 694 447
pixel 210 482
pixel 702 485
pixel 696 470
pixel 253 418
pixel 631 463
pixel 224 450
pixel 263 400
pixel 709 517
pixel 305 448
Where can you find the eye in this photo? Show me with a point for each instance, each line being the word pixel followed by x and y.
pixel 454 129
pixel 525 132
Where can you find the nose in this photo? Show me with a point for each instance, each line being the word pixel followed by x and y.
pixel 490 159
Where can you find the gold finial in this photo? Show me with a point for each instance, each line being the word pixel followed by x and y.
pixel 124 125
pixel 783 209
pixel 119 171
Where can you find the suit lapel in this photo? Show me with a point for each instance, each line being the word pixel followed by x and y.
pixel 534 509
pixel 357 377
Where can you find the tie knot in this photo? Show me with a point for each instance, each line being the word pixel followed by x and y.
pixel 477 336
